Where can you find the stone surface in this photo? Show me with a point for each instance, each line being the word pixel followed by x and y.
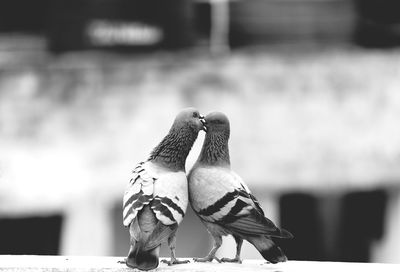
pixel 110 264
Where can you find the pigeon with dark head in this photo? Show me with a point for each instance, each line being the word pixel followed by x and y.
pixel 224 203
pixel 156 197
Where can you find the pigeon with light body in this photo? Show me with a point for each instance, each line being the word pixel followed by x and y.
pixel 224 203
pixel 156 197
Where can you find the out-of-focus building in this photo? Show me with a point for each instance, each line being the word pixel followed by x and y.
pixel 156 24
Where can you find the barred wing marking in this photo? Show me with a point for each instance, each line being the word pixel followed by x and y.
pixel 247 191
pixel 164 191
pixel 231 206
pixel 171 197
pixel 165 208
pixel 234 207
pixel 138 193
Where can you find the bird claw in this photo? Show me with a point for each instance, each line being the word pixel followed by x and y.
pixel 122 262
pixel 230 260
pixel 206 259
pixel 175 261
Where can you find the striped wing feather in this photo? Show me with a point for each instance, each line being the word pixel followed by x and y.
pixel 254 224
pixel 138 193
pixel 164 191
pixel 237 210
pixel 171 197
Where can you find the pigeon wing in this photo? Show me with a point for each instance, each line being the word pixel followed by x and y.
pixel 138 193
pixel 169 205
pixel 231 206
pixel 170 197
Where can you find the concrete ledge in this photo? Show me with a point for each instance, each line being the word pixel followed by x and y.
pixel 110 264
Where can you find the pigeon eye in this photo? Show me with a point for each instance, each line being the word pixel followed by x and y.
pixel 195 115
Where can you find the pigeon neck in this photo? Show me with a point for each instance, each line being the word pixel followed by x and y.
pixel 173 150
pixel 215 150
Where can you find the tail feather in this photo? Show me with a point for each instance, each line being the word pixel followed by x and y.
pixel 139 256
pixel 268 249
pixel 143 259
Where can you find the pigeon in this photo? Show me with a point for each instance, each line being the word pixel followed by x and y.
pixel 156 197
pixel 224 203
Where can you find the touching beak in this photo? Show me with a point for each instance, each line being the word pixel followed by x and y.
pixel 203 121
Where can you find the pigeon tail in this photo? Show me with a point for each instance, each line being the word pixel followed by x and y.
pixel 139 256
pixel 143 259
pixel 268 249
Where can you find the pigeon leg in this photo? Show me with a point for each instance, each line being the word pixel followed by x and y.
pixel 211 255
pixel 172 245
pixel 239 242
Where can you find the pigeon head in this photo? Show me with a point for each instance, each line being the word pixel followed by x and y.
pixel 217 122
pixel 189 118
pixel 215 150
pixel 173 150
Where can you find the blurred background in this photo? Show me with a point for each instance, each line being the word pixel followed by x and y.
pixel 89 87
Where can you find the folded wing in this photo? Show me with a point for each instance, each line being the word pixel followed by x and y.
pixel 138 193
pixel 237 209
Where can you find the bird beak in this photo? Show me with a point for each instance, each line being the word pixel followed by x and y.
pixel 203 121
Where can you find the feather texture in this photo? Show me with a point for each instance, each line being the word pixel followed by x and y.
pixel 219 196
pixel 156 196
pixel 224 202
pixel 164 191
